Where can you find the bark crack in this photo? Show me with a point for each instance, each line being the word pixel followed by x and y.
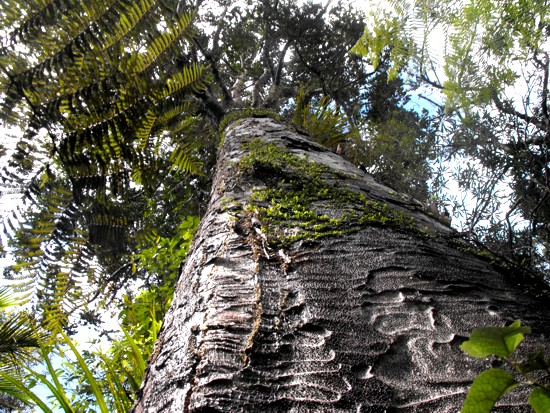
pixel 256 324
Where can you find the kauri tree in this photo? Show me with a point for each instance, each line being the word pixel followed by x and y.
pixel 309 285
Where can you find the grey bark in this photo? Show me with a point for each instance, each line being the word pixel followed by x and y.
pixel 369 321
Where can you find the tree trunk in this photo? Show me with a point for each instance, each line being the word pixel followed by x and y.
pixel 312 287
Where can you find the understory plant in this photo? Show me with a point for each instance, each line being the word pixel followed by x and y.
pixel 532 371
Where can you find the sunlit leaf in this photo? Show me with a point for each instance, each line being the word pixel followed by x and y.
pixel 486 389
pixel 500 341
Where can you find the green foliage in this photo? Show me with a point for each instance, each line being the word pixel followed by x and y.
pixel 113 101
pixel 481 40
pixel 324 121
pixel 102 91
pixel 540 400
pixel 163 255
pixel 500 341
pixel 385 36
pixel 15 334
pixel 396 144
pixel 98 380
pixel 492 384
pixel 52 380
pixel 18 344
pixel 262 52
pixel 121 369
pixel 484 66
pixel 486 389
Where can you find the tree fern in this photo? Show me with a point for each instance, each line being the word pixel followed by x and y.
pixel 94 83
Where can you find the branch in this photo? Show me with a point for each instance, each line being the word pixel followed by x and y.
pixel 433 102
pixel 509 224
pixel 312 69
pixel 275 86
pixel 539 204
pixel 506 108
pixel 238 86
pixel 280 63
pixel 430 82
pixel 544 98
pixel 256 95
pixel 213 108
pixel 213 65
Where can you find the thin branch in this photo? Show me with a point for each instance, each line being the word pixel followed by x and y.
pixel 275 86
pixel 214 67
pixel 488 190
pixel 230 66
pixel 539 204
pixel 506 108
pixel 312 69
pixel 433 102
pixel 509 225
pixel 430 82
pixel 544 97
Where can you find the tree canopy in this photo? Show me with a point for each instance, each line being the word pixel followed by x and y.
pixel 488 63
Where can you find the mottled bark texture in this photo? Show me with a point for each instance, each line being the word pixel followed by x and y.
pixel 346 315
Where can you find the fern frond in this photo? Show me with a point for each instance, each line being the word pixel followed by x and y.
pixel 105 85
pixel 192 77
pixel 324 121
pixel 183 161
pixel 159 46
pixel 144 132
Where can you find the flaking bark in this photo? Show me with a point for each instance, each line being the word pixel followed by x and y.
pixel 367 321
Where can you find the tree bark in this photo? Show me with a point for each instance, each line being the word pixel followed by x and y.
pixel 288 316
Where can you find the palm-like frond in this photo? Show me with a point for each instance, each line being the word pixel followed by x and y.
pixel 16 337
pixel 96 84
pixel 17 334
pixel 8 298
pixel 324 121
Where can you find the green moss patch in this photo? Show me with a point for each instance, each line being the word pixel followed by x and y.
pixel 305 200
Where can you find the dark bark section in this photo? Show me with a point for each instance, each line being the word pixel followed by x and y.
pixel 367 322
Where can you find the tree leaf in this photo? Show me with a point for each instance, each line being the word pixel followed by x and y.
pixel 23 391
pixel 500 341
pixel 534 361
pixel 540 400
pixel 486 389
pixel 91 380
